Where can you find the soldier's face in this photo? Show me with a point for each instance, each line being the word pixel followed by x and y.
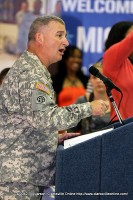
pixel 54 41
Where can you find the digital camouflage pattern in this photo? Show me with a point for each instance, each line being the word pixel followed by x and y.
pixel 29 123
pixel 19 191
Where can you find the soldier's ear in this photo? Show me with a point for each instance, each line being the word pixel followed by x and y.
pixel 39 37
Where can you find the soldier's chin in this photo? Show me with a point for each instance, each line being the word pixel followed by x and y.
pixel 60 58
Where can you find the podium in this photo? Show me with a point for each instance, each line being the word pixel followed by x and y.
pixel 98 169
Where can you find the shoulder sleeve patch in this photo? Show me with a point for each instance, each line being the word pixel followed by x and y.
pixel 42 87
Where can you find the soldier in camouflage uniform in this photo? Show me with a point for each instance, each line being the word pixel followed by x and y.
pixel 29 116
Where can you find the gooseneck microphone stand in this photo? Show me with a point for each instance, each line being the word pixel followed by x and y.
pixel 109 86
pixel 108 90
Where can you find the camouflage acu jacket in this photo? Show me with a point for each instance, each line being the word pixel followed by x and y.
pixel 29 123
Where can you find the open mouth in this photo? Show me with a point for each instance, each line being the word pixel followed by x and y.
pixel 61 51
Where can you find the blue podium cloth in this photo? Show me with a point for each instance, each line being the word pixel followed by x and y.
pixel 79 168
pixel 117 163
pixel 97 169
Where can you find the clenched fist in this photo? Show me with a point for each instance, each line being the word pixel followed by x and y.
pixel 99 107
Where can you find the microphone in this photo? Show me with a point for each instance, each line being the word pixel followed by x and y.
pixel 108 83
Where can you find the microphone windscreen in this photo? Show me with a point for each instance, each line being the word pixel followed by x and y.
pixel 94 71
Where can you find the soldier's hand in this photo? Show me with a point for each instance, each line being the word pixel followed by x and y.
pixel 99 107
pixel 64 135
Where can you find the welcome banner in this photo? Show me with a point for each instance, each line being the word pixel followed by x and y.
pixel 88 23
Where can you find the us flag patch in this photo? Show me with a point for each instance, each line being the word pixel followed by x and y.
pixel 41 86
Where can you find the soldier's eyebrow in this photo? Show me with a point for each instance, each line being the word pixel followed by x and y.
pixel 62 32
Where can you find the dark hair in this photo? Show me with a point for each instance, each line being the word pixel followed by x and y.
pixel 62 69
pixel 62 64
pixel 117 33
pixel 3 74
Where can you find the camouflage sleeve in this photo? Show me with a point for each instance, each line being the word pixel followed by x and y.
pixel 44 114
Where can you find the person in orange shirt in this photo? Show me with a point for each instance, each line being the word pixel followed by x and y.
pixel 70 82
pixel 118 66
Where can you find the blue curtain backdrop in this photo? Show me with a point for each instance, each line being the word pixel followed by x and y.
pixel 88 23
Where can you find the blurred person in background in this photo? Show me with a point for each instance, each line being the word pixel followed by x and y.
pixel 8 10
pixel 58 8
pixel 70 82
pixel 37 7
pixel 26 21
pixel 118 66
pixel 93 123
pixel 20 14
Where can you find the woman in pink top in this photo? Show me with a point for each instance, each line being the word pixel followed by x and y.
pixel 118 66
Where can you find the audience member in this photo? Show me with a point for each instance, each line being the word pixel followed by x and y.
pixel 27 19
pixel 70 83
pixel 94 123
pixel 118 66
pixel 37 7
pixel 58 9
pixel 20 14
pixel 7 10
pixel 29 117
